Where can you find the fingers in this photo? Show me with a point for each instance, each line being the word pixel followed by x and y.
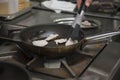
pixel 87 3
pixel 78 3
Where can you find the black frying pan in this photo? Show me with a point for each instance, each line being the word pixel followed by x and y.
pixel 10 71
pixel 51 50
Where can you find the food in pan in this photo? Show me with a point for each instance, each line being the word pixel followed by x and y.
pixel 85 24
pixel 40 43
pixel 51 36
pixel 71 42
pixel 57 41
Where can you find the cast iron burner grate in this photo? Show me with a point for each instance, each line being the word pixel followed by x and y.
pixel 70 67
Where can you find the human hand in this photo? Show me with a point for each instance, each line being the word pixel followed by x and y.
pixel 87 3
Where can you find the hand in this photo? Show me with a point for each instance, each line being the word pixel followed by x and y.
pixel 87 3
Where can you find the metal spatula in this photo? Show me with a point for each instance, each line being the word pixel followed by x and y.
pixel 77 31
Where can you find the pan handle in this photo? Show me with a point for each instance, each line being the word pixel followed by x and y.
pixel 10 40
pixel 102 36
pixel 64 19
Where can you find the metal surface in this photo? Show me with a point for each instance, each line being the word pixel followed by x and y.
pixel 116 38
pixel 108 57
pixel 76 62
pixel 11 71
pixel 68 21
pixel 115 73
pixel 68 68
pixel 103 36
pixel 12 16
pixel 97 70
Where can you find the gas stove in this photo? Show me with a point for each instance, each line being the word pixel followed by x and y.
pixel 85 64
pixel 70 67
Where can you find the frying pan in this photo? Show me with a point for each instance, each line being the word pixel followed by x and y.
pixel 51 50
pixel 11 71
pixel 69 21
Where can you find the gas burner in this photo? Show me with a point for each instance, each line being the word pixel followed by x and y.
pixel 67 67
pixel 71 66
pixel 63 68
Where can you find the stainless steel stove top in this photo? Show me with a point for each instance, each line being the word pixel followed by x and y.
pixel 76 64
pixel 94 70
